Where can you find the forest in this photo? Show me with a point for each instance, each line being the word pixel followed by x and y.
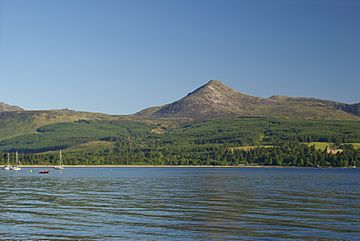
pixel 226 142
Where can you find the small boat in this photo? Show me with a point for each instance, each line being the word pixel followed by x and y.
pixel 44 172
pixel 60 167
pixel 16 167
pixel 8 163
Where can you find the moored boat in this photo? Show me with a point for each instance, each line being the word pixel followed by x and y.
pixel 8 167
pixel 16 167
pixel 44 172
pixel 60 167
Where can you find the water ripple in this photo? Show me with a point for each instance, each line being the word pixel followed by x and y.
pixel 178 204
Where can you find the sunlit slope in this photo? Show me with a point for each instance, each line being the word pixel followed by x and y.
pixel 88 135
pixel 69 134
pixel 264 131
pixel 25 122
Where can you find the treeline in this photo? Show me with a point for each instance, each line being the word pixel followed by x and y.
pixel 127 153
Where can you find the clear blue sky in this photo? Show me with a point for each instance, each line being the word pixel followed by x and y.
pixel 123 56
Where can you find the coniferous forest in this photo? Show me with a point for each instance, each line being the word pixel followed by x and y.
pixel 225 142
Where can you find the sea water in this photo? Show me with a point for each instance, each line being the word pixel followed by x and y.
pixel 180 204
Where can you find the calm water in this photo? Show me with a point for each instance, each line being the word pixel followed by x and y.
pixel 181 203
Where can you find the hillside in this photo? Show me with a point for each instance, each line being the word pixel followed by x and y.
pixel 212 114
pixel 38 131
pixel 5 107
pixel 349 108
pixel 211 100
pixel 19 123
pixel 215 99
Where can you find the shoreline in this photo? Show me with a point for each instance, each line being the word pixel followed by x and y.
pixel 163 166
pixel 141 166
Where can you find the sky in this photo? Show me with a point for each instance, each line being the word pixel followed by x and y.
pixel 119 57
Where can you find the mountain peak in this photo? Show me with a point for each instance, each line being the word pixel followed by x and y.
pixel 214 82
pixel 213 87
pixel 213 99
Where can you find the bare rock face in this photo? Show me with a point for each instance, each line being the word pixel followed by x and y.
pixel 211 100
pixel 5 107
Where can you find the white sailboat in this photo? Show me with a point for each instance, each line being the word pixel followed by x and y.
pixel 16 167
pixel 60 167
pixel 8 162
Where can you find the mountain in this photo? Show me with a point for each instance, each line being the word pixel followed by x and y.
pixel 208 115
pixel 5 107
pixel 214 99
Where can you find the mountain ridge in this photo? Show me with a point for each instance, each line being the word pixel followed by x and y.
pixel 6 107
pixel 349 108
pixel 214 99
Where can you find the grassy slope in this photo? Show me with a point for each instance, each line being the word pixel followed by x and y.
pixel 356 145
pixel 15 124
pixel 319 145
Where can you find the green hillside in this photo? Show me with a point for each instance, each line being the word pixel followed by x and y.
pixel 225 141
pixel 69 134
pixel 25 122
pixel 225 131
pixel 264 131
pixel 214 124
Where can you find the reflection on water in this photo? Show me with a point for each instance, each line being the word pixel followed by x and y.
pixel 180 203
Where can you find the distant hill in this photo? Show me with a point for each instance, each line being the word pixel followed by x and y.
pixel 58 129
pixel 14 123
pixel 349 108
pixel 5 107
pixel 215 99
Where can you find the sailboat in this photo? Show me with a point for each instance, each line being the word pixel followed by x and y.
pixel 16 167
pixel 60 167
pixel 8 162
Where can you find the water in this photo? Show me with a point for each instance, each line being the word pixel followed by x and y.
pixel 181 203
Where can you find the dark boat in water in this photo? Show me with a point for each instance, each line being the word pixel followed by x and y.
pixel 44 172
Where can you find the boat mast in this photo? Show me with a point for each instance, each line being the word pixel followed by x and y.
pixel 60 158
pixel 17 158
pixel 8 159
